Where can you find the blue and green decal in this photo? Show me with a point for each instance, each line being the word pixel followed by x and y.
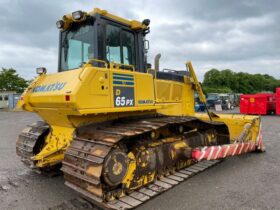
pixel 123 87
pixel 123 79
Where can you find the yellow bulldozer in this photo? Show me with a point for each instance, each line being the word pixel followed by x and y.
pixel 121 131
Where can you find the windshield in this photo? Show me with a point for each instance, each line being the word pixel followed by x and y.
pixel 76 46
pixel 212 96
pixel 225 97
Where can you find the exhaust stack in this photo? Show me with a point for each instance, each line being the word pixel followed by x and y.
pixel 157 61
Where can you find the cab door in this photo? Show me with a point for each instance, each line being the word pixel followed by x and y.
pixel 130 87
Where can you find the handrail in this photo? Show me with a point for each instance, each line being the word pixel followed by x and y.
pixel 118 65
pixel 90 62
pixel 98 61
pixel 153 72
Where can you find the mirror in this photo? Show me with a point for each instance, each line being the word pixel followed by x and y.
pixel 146 45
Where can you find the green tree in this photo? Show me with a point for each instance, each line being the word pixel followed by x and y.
pixel 11 81
pixel 207 90
pixel 212 78
pixel 228 80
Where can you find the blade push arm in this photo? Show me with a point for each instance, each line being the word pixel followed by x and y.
pixel 198 87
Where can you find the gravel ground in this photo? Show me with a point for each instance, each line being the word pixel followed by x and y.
pixel 249 181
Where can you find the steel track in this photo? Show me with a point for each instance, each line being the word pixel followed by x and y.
pixel 92 147
pixel 27 140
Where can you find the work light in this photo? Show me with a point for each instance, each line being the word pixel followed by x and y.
pixel 146 22
pixel 41 70
pixel 78 15
pixel 60 24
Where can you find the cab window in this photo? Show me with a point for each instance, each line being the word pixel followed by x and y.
pixel 128 48
pixel 77 46
pixel 120 45
pixel 76 57
pixel 113 45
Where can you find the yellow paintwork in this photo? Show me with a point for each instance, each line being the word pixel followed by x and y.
pixel 236 123
pixel 57 142
pixel 197 86
pixel 72 98
pixel 91 100
pixel 130 171
pixel 133 24
pixel 179 145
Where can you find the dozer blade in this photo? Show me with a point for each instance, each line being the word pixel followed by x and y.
pixel 245 134
pixel 227 150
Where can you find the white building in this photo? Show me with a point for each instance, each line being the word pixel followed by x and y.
pixel 4 98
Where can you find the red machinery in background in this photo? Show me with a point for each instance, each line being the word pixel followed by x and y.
pixel 261 103
pixel 277 101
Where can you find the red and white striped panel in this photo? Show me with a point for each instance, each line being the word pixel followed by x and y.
pixel 259 141
pixel 226 150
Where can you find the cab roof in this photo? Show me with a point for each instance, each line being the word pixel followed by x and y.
pixel 133 24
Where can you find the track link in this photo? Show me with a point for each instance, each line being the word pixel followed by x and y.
pixel 29 140
pixel 148 192
pixel 84 159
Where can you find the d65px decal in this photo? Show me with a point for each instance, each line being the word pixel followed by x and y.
pixel 123 96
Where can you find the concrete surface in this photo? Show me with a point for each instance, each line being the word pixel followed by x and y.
pixel 250 181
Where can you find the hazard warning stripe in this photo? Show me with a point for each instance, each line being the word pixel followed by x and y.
pixel 227 150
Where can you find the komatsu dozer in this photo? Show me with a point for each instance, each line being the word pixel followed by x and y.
pixel 121 131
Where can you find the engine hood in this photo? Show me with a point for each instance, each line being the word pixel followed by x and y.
pixel 51 90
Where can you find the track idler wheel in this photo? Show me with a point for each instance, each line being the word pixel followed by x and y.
pixel 115 167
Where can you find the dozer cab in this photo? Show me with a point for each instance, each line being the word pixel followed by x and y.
pixel 121 131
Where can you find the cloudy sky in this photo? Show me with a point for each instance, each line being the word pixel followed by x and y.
pixel 239 35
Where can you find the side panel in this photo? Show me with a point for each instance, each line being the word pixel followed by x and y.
pixel 94 92
pixel 168 91
pixel 131 89
pixel 145 91
pixel 99 89
pixel 179 95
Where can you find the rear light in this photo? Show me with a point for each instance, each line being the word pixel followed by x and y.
pixel 67 98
